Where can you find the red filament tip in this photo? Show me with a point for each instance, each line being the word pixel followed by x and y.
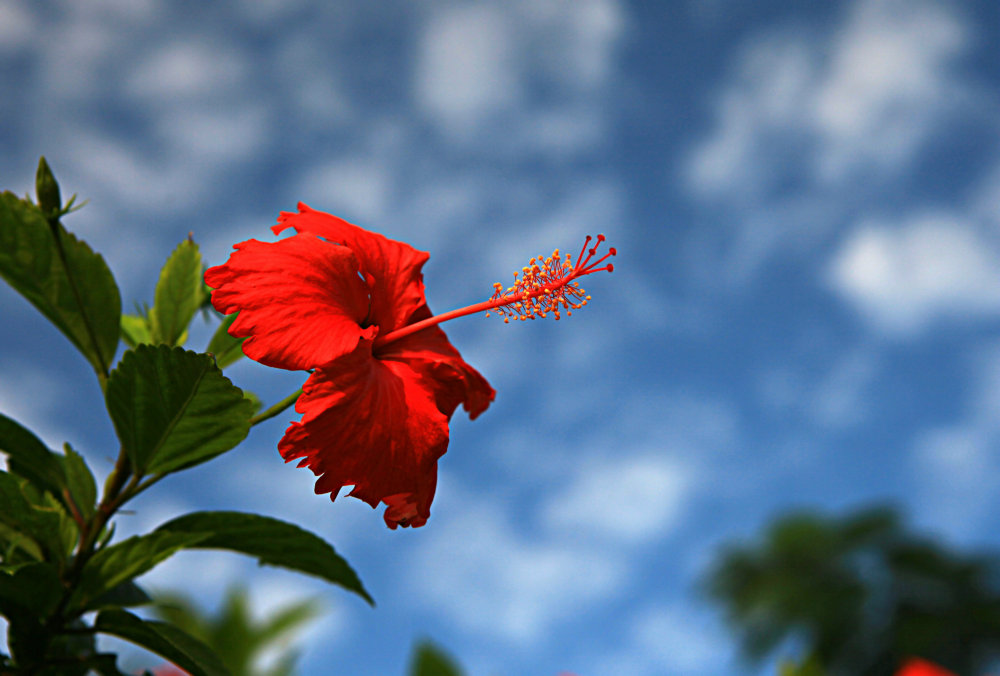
pixel 547 285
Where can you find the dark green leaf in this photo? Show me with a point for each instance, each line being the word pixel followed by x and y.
pixel 135 330
pixel 62 277
pixel 18 513
pixel 82 486
pixel 47 189
pixel 124 595
pixel 163 639
pixel 27 596
pixel 226 349
pixel 28 457
pixel 173 408
pixel 179 293
pixel 274 542
pixel 429 660
pixel 33 589
pixel 126 560
pixel 106 664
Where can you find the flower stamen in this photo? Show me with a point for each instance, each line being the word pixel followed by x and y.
pixel 547 284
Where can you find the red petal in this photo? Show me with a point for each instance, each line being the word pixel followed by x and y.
pixel 392 268
pixel 373 425
pixel 919 667
pixel 454 381
pixel 301 301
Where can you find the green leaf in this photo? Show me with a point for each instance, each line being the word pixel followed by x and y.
pixel 226 348
pixel 27 596
pixel 126 560
pixel 274 542
pixel 124 595
pixel 28 457
pixel 47 189
pixel 179 294
pixel 18 513
pixel 62 277
pixel 32 589
pixel 163 639
pixel 59 541
pixel 80 481
pixel 255 403
pixel 429 660
pixel 135 330
pixel 173 408
pixel 106 664
pixel 14 540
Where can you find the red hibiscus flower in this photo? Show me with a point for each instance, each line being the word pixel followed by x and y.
pixel 373 416
pixel 349 305
pixel 918 667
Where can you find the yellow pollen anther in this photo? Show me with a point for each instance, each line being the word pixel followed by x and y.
pixel 548 284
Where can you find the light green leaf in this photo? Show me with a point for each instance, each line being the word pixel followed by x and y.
pixel 135 330
pixel 179 294
pixel 13 540
pixel 173 408
pixel 273 542
pixel 226 348
pixel 80 481
pixel 62 277
pixel 18 513
pixel 163 639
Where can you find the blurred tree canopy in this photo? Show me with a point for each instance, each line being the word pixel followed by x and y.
pixel 861 594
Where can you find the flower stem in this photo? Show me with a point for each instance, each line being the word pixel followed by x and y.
pixel 277 408
pixel 437 319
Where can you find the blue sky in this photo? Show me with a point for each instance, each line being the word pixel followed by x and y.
pixel 805 198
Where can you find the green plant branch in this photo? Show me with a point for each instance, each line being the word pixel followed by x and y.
pixel 277 408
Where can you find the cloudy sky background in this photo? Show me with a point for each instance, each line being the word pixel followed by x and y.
pixel 805 198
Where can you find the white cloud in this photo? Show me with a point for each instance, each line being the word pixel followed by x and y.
pixel 466 66
pixel 16 26
pixel 494 580
pixel 888 78
pixel 677 640
pixel 934 265
pixel 867 96
pixel 476 66
pixel 186 70
pixel 214 137
pixel 356 188
pixel 670 638
pixel 627 500
pixel 118 173
pixel 755 113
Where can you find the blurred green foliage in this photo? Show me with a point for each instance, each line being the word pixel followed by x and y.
pixel 239 640
pixel 861 593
